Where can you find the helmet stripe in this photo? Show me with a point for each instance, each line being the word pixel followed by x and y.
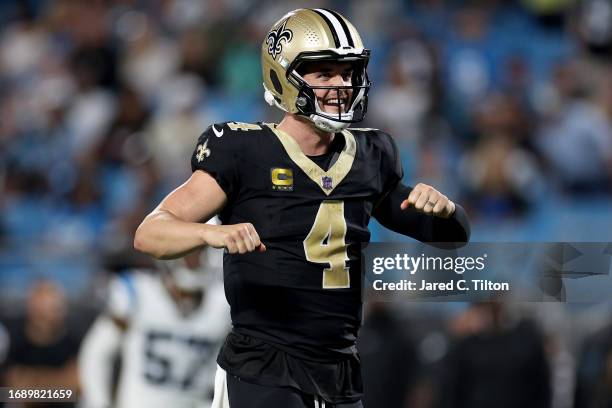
pixel 330 25
pixel 345 28
pixel 336 26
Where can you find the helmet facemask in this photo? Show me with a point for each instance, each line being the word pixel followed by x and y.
pixel 307 102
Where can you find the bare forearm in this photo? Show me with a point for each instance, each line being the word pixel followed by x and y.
pixel 165 236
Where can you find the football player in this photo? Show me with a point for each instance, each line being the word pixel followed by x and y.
pixel 295 199
pixel 167 327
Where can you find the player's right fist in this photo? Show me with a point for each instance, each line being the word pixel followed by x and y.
pixel 237 238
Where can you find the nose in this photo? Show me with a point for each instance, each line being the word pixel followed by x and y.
pixel 338 80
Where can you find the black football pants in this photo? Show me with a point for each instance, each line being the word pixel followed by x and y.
pixel 242 394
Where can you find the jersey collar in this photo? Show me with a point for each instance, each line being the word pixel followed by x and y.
pixel 326 180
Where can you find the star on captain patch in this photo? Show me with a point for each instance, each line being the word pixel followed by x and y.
pixel 202 151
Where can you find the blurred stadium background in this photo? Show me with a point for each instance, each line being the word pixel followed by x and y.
pixel 506 106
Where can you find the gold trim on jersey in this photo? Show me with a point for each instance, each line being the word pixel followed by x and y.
pixel 326 180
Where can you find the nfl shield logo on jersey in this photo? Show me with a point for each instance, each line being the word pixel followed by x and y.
pixel 327 182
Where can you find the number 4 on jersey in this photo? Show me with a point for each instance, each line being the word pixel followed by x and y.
pixel 326 244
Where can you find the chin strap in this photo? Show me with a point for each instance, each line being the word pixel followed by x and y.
pixel 327 125
pixel 323 123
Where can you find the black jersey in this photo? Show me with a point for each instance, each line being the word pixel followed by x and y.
pixel 302 296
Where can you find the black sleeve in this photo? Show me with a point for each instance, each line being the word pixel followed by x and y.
pixel 217 155
pixel 391 163
pixel 420 226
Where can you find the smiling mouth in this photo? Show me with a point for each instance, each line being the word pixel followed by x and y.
pixel 335 103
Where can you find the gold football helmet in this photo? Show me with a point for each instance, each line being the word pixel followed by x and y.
pixel 305 35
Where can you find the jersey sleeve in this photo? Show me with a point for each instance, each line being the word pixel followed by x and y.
pixel 216 154
pixel 391 164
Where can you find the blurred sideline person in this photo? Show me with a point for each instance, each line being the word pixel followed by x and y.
pixel 497 360
pixel 168 328
pixel 42 346
pixel 594 372
pixel 295 200
pixel 389 358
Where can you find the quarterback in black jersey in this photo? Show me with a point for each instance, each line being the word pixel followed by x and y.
pixel 295 200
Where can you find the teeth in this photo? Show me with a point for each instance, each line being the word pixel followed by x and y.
pixel 335 101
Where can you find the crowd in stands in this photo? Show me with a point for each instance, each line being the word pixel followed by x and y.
pixel 505 105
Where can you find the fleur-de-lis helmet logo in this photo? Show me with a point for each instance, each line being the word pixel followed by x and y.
pixel 276 37
pixel 202 151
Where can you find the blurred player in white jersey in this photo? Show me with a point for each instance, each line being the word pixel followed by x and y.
pixel 168 327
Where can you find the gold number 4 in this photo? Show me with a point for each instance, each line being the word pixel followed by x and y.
pixel 326 244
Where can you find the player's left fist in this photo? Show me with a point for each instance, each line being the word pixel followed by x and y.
pixel 428 200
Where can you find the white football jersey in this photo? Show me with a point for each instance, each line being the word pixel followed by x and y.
pixel 168 359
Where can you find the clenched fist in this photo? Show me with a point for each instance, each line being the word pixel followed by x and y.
pixel 428 200
pixel 237 238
